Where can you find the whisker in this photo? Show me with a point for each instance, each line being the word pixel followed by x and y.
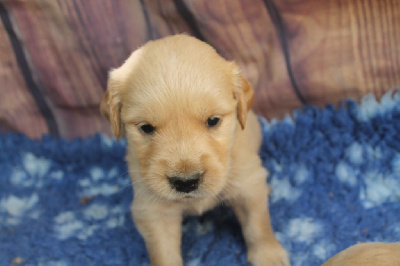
pixel 128 186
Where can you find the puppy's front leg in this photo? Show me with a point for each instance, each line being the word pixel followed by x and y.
pixel 252 212
pixel 160 226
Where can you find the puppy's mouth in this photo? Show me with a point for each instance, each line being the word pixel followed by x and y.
pixel 189 197
pixel 192 196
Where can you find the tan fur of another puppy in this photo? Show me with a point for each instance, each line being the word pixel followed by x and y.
pixel 368 254
pixel 176 84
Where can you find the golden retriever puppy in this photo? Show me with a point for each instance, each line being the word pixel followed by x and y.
pixel 368 254
pixel 192 143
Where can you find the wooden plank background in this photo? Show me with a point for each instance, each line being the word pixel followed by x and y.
pixel 55 55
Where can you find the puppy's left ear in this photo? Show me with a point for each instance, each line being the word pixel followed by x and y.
pixel 244 94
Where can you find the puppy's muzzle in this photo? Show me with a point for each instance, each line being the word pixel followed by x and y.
pixel 185 184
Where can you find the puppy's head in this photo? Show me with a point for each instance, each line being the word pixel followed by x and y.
pixel 179 104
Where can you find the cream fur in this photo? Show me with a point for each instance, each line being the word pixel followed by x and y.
pixel 368 254
pixel 176 84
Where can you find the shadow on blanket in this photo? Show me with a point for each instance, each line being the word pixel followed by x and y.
pixel 335 175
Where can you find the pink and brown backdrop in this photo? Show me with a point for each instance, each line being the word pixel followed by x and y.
pixel 55 54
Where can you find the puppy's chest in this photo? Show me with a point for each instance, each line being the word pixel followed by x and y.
pixel 198 207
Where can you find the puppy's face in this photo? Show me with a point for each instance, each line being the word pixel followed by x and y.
pixel 179 105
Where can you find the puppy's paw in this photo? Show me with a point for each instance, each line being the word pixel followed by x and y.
pixel 268 255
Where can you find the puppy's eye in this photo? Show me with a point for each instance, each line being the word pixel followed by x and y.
pixel 147 129
pixel 213 121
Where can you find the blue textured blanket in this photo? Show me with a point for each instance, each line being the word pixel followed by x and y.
pixel 335 175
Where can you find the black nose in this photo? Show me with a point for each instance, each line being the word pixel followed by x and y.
pixel 185 184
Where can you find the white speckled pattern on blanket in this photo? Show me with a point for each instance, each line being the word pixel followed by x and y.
pixel 335 175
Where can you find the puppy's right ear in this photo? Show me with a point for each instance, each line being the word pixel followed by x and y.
pixel 110 106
